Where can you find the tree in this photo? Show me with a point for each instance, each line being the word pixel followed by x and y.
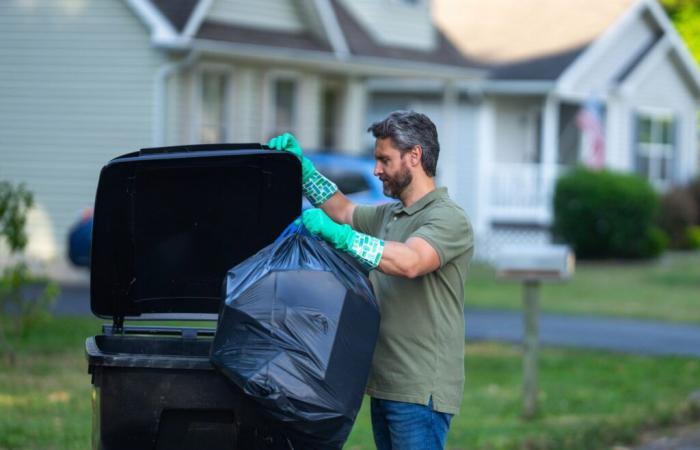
pixel 685 15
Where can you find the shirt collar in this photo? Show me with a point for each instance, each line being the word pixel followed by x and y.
pixel 423 201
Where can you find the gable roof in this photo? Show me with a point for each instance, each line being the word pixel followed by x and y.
pixel 177 12
pixel 360 43
pixel 356 42
pixel 548 67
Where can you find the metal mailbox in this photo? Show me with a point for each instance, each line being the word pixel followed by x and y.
pixel 532 265
pixel 543 262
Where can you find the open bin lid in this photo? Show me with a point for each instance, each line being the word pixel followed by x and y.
pixel 169 222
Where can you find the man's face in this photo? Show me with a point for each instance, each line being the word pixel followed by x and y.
pixel 391 168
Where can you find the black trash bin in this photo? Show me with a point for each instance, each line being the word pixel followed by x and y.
pixel 168 224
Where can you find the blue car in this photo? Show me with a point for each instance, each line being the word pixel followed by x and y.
pixel 79 240
pixel 353 175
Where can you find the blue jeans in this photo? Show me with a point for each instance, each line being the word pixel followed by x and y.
pixel 408 426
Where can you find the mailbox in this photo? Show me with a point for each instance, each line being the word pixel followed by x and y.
pixel 536 263
pixel 532 265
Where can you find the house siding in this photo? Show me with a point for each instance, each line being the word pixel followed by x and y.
pixel 77 90
pixel 629 44
pixel 279 15
pixel 395 24
pixel 664 87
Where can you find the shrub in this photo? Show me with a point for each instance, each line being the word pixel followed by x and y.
pixel 693 189
pixel 21 307
pixel 692 235
pixel 603 214
pixel 678 212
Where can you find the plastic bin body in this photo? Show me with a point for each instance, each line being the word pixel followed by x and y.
pixel 159 392
pixel 168 224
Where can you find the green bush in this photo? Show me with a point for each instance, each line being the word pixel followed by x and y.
pixel 692 236
pixel 21 307
pixel 603 214
pixel 693 189
pixel 678 212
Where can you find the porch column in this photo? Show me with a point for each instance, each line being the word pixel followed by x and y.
pixel 353 116
pixel 450 162
pixel 485 155
pixel 309 111
pixel 548 165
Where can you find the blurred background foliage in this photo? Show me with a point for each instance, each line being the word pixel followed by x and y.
pixel 685 15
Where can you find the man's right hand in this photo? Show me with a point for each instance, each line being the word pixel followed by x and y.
pixel 288 143
pixel 317 188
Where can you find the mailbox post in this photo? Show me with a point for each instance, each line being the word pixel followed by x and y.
pixel 532 265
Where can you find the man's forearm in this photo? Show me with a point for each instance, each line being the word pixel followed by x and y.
pixel 339 208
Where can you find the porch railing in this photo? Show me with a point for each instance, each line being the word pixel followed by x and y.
pixel 523 191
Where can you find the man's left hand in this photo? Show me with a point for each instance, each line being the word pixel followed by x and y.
pixel 318 223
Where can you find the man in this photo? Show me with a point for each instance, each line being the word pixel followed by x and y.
pixel 420 247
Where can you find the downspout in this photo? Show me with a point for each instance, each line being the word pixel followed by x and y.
pixel 160 85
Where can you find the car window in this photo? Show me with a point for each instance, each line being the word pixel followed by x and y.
pixel 348 182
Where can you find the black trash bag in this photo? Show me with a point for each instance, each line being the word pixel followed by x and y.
pixel 296 333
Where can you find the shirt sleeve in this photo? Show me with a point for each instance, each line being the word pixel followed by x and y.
pixel 448 231
pixel 368 219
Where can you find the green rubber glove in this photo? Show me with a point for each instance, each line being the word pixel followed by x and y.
pixel 367 249
pixel 316 187
pixel 288 143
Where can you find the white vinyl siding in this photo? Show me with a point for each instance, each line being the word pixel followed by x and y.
pixel 77 90
pixel 279 15
pixel 394 23
pixel 638 35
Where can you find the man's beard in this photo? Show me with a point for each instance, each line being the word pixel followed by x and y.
pixel 394 186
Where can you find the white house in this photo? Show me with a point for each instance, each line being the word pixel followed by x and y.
pixel 83 81
pixel 546 63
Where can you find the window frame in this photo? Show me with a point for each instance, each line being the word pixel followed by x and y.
pixel 656 151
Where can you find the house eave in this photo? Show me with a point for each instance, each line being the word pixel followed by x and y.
pixel 515 87
pixel 329 62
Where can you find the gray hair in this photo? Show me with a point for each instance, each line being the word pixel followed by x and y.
pixel 406 129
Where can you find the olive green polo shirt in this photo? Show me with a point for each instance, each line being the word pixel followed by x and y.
pixel 420 349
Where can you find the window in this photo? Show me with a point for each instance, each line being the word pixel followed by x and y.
pixel 214 116
pixel 284 106
pixel 655 151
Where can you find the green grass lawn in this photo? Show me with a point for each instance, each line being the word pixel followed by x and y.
pixel 588 399
pixel 665 289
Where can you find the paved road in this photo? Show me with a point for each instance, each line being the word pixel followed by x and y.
pixel 623 335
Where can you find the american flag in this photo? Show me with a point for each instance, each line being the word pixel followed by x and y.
pixel 590 121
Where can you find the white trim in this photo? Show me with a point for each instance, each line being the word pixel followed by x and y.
pixel 331 27
pixel 602 44
pixel 408 85
pixel 162 32
pixel 196 18
pixel 657 112
pixel 486 126
pixel 324 61
pixel 517 87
